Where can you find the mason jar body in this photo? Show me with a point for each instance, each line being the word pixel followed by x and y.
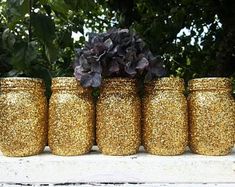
pixel 211 116
pixel 165 120
pixel 71 118
pixel 118 117
pixel 23 116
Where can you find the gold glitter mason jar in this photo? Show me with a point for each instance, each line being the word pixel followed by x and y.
pixel 165 119
pixel 211 116
pixel 23 116
pixel 118 117
pixel 71 118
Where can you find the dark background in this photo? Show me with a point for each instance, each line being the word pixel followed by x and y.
pixel 196 37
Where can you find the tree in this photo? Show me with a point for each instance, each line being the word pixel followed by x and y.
pixel 207 49
pixel 37 36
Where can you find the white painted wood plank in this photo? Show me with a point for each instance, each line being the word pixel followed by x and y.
pixel 98 168
pixel 125 185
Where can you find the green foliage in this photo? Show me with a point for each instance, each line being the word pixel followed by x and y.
pixel 41 39
pixel 36 35
pixel 44 27
pixel 207 49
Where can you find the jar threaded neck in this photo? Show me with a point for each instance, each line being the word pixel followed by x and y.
pixel 119 85
pixel 21 83
pixel 165 83
pixel 213 83
pixel 68 83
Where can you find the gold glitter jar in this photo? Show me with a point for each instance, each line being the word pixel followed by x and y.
pixel 71 118
pixel 118 117
pixel 165 120
pixel 23 116
pixel 211 116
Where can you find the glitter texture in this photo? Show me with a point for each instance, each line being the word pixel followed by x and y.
pixel 71 118
pixel 23 116
pixel 118 117
pixel 165 120
pixel 211 116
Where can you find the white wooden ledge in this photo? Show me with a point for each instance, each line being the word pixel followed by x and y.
pixel 95 169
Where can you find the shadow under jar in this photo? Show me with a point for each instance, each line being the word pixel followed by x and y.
pixel 71 118
pixel 23 116
pixel 118 117
pixel 211 116
pixel 165 120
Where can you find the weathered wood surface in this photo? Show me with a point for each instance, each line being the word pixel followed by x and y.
pixel 95 169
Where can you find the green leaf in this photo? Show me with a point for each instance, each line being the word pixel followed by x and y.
pixel 16 10
pixel 78 27
pixel 66 40
pixel 80 4
pixel 82 39
pixel 8 39
pixel 44 27
pixel 73 4
pixel 15 73
pixel 19 7
pixel 51 52
pixel 59 6
pixel 23 55
pixel 39 71
pixel 188 61
pixel 43 1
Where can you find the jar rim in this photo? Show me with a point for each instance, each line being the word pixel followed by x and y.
pixel 59 78
pixel 118 85
pixel 119 79
pixel 68 83
pixel 63 81
pixel 22 78
pixel 210 78
pixel 21 82
pixel 166 83
pixel 210 83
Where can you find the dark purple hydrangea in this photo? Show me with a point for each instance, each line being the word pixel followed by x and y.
pixel 116 53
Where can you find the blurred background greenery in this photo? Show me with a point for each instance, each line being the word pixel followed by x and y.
pixel 39 37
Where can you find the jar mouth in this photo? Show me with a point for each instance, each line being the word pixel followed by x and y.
pixel 22 78
pixel 64 78
pixel 119 84
pixel 166 83
pixel 21 82
pixel 210 83
pixel 66 83
pixel 119 80
pixel 210 78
